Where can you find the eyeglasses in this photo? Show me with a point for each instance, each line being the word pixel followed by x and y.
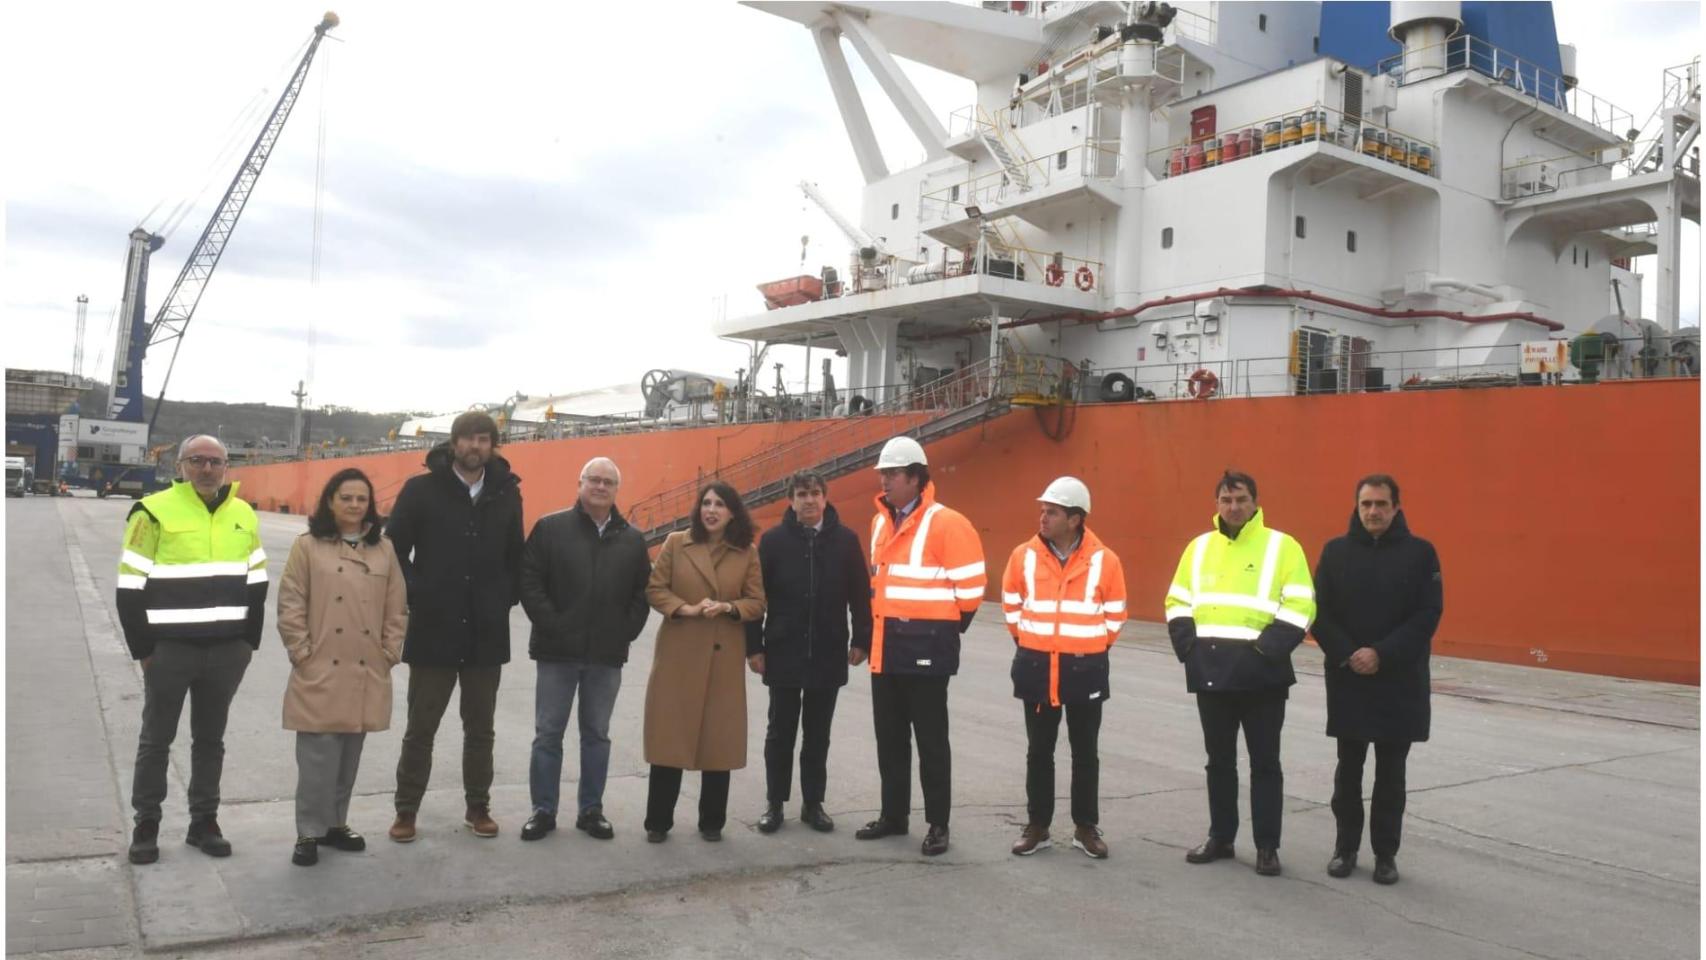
pixel 599 481
pixel 203 463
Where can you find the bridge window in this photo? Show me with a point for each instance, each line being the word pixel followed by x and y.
pixel 1301 228
pixel 1060 161
pixel 1166 238
pixel 1262 22
pixel 954 193
pixel 1351 241
pixel 894 212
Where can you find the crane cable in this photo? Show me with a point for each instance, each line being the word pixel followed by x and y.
pixel 236 136
pixel 319 218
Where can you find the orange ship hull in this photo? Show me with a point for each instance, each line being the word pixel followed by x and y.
pixel 1567 519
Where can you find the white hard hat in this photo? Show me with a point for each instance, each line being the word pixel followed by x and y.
pixel 901 452
pixel 1067 492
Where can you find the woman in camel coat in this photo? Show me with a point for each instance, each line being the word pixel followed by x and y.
pixel 342 613
pixel 708 585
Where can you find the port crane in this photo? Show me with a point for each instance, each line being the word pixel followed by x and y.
pixel 136 336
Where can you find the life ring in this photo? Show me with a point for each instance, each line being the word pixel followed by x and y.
pixel 1204 384
pixel 1083 278
pixel 1053 275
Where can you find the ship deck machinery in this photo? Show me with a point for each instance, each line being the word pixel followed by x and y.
pixel 1172 189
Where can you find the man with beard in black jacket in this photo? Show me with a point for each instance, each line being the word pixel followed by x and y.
pixel 816 579
pixel 458 534
pixel 1378 599
pixel 583 584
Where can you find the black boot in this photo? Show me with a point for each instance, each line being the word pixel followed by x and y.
pixel 205 836
pixel 770 820
pixel 145 842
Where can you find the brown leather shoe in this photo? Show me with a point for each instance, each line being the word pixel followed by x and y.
pixel 403 828
pixel 1034 838
pixel 1267 862
pixel 1208 851
pixel 479 820
pixel 1089 839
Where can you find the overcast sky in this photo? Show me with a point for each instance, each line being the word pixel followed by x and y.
pixel 518 196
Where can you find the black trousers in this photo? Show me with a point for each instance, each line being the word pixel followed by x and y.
pixel 1042 731
pixel 1261 713
pixel 905 707
pixel 790 708
pixel 1386 811
pixel 663 788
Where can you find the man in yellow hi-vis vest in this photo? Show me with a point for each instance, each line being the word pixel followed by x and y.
pixel 192 591
pixel 1239 604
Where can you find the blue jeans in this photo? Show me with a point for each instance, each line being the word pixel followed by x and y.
pixel 553 697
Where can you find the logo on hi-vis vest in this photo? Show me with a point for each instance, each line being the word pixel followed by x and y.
pixel 1249 568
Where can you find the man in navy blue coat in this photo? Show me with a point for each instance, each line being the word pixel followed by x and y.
pixel 1378 597
pixel 818 585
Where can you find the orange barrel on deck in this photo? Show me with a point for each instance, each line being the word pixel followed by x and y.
pixel 1310 127
pixel 1194 158
pixel 1373 142
pixel 1422 158
pixel 1249 141
pixel 1176 162
pixel 1292 133
pixel 1211 152
pixel 1271 135
pixel 1395 149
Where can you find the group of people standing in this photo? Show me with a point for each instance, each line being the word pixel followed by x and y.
pixel 433 584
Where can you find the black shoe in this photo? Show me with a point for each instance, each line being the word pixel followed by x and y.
pixel 1267 862
pixel 711 836
pixel 1209 850
pixel 1343 862
pixel 657 836
pixel 770 820
pixel 204 835
pixel 593 824
pixel 345 839
pixel 145 842
pixel 1385 870
pixel 879 828
pixel 812 815
pixel 538 825
pixel 935 841
pixel 307 852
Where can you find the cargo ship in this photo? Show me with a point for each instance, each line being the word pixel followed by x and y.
pixel 1307 241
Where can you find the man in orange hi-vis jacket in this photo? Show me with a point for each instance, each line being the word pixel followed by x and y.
pixel 1064 597
pixel 927 579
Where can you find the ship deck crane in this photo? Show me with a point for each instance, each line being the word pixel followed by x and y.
pixel 861 240
pixel 136 336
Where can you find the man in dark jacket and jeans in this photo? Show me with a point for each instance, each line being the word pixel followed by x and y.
pixel 457 530
pixel 583 584
pixel 1379 598
pixel 816 578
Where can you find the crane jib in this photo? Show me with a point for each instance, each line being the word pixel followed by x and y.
pixel 179 306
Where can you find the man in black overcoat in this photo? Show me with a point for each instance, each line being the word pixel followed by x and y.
pixel 1378 599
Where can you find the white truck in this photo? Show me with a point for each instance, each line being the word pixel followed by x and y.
pixel 19 477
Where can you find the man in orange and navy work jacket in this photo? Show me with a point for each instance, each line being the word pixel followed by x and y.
pixel 1064 597
pixel 927 579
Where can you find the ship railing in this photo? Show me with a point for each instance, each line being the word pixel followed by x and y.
pixel 905 411
pixel 1315 123
pixel 990 191
pixel 1469 52
pixel 1380 371
pixel 1681 85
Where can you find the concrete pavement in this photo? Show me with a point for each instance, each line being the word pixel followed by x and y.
pixel 1552 815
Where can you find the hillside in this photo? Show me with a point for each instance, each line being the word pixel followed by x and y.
pixel 257 424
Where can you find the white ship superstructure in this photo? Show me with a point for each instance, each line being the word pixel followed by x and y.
pixel 1193 198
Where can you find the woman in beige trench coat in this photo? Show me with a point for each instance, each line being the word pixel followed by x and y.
pixel 342 612
pixel 707 584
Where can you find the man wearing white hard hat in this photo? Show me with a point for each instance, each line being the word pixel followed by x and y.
pixel 1064 598
pixel 927 579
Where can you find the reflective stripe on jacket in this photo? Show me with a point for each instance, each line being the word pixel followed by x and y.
pixel 1075 609
pixel 925 574
pixel 1243 597
pixel 190 573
